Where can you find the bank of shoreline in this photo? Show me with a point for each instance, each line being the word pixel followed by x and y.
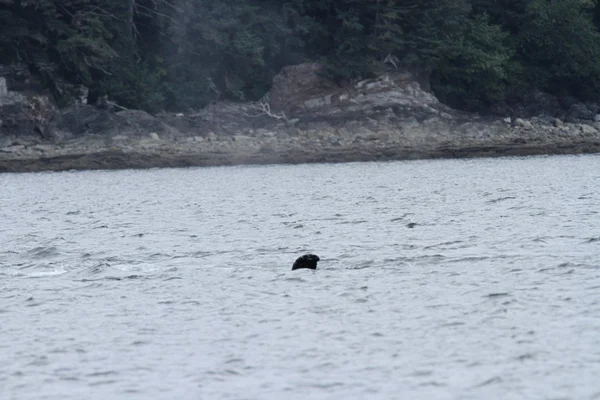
pixel 304 119
pixel 166 154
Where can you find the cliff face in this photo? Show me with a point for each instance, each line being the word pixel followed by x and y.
pixel 305 118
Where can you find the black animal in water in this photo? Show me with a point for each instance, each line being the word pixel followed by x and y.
pixel 308 261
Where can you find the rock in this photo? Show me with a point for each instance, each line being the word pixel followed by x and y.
pixel 78 121
pixel 25 116
pixel 296 84
pixel 41 111
pixel 538 103
pixel 3 87
pixel 25 106
pixel 567 101
pixel 527 125
pixel 14 149
pixel 579 111
pixel 154 136
pixel 508 120
pixel 593 107
pixel 587 129
pixel 393 119
pixel 267 134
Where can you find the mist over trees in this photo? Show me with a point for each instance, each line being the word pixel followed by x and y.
pixel 182 54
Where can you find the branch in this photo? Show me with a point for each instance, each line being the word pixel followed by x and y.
pixel 264 106
pixel 112 103
pixel 392 60
pixel 96 66
pixel 156 12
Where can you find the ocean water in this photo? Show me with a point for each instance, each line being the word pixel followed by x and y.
pixel 448 279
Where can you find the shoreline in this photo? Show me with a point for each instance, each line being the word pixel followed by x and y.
pixel 170 154
pixel 306 119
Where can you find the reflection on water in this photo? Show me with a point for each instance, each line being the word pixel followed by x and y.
pixel 471 279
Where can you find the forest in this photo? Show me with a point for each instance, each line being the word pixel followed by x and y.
pixel 183 54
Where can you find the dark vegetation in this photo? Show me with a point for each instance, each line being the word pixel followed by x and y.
pixel 181 54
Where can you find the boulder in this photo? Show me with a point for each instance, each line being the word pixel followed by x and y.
pixel 579 111
pixel 76 121
pixel 532 104
pixel 303 93
pixel 25 107
pixel 588 130
pixel 297 84
pixel 527 125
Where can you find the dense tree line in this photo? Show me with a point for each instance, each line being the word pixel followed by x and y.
pixel 179 54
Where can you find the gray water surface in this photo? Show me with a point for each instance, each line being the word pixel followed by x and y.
pixel 176 284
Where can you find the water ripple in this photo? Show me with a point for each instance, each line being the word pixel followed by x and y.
pixel 438 280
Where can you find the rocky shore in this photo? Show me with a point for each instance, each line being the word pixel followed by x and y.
pixel 304 119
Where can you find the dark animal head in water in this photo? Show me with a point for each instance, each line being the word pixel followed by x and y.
pixel 306 261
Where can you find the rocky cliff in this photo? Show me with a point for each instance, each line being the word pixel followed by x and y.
pixel 305 118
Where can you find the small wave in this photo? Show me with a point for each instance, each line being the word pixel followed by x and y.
pixel 112 278
pixel 500 199
pixel 491 381
pixel 354 222
pixel 295 279
pixel 443 244
pixel 42 252
pixel 498 294
pixel 96 268
pixel 41 274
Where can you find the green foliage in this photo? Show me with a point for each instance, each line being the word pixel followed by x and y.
pixel 476 70
pixel 357 35
pixel 431 27
pixel 508 14
pixel 220 49
pixel 165 54
pixel 66 42
pixel 133 84
pixel 560 47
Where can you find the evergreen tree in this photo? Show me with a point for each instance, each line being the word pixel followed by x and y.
pixel 162 54
pixel 475 71
pixel 560 47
